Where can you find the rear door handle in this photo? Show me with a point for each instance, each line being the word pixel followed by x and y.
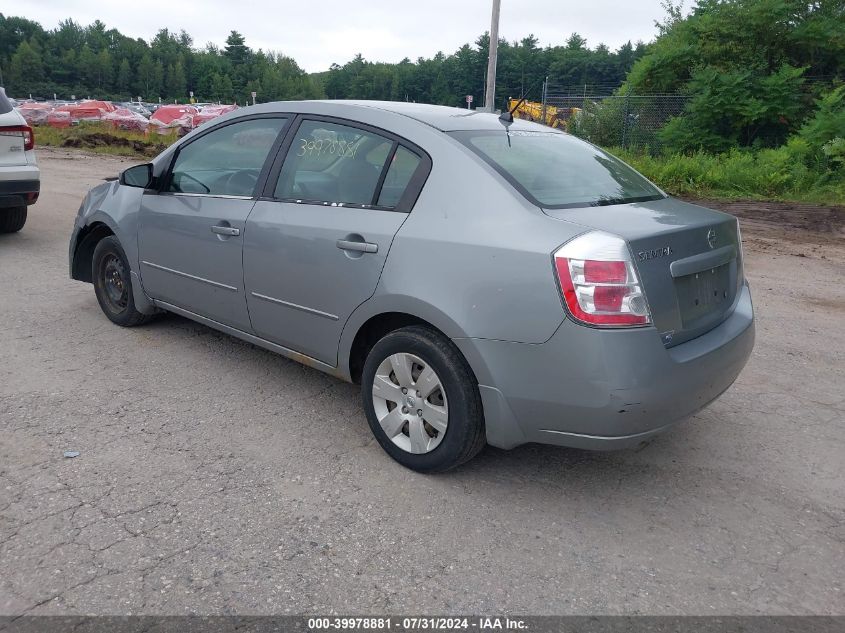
pixel 225 230
pixel 361 247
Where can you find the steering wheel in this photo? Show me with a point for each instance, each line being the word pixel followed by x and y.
pixel 240 183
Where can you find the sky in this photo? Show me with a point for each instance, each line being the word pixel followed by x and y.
pixel 317 33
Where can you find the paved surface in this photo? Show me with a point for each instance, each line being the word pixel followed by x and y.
pixel 215 477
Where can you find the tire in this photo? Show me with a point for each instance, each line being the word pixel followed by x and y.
pixel 12 219
pixel 412 431
pixel 110 273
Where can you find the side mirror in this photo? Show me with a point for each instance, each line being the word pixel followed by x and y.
pixel 138 176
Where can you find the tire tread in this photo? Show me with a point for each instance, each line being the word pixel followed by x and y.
pixel 12 219
pixel 130 317
pixel 475 437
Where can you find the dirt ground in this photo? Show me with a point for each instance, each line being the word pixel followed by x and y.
pixel 215 477
pixel 787 228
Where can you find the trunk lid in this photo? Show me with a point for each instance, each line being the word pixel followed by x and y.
pixel 11 143
pixel 688 259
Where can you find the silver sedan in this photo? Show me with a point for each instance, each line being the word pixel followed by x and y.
pixel 485 280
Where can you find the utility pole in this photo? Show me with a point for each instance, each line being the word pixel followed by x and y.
pixel 545 99
pixel 490 93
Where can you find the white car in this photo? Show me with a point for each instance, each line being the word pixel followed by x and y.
pixel 19 176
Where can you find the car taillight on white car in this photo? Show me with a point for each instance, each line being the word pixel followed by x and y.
pixel 599 283
pixel 22 131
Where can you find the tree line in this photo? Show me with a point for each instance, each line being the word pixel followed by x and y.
pixel 522 66
pixel 103 63
pixel 755 72
pixel 100 62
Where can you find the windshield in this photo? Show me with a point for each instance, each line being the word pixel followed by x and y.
pixel 556 170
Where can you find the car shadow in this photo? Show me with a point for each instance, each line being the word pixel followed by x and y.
pixel 529 463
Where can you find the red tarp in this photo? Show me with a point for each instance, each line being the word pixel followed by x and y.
pixel 35 113
pixel 108 106
pixel 166 114
pixel 173 117
pixel 58 118
pixel 87 110
pixel 126 119
pixel 212 112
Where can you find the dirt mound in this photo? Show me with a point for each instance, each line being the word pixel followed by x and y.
pixel 103 139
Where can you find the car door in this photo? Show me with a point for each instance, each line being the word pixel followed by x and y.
pixel 190 239
pixel 316 242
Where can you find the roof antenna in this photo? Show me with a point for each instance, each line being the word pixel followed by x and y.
pixel 507 117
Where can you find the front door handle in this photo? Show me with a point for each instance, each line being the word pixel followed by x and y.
pixel 225 230
pixel 361 247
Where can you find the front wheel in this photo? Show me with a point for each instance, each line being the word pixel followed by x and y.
pixel 113 285
pixel 12 219
pixel 422 400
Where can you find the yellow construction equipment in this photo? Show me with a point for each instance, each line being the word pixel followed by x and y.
pixel 533 111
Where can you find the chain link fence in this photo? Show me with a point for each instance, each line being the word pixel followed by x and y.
pixel 630 121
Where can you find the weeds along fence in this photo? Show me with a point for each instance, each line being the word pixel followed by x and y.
pixel 629 121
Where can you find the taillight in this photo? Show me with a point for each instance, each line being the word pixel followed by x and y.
pixel 599 282
pixel 23 131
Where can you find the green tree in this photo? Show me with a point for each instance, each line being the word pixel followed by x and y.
pixel 95 36
pixel 26 70
pixel 149 78
pixel 124 77
pixel 14 31
pixel 576 43
pixel 64 70
pixel 222 89
pixel 104 71
pixel 828 123
pixel 743 63
pixel 176 82
pixel 86 67
pixel 236 50
pixel 68 36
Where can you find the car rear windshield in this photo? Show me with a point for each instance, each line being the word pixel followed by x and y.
pixel 5 104
pixel 555 170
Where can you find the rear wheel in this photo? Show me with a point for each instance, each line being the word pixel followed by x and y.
pixel 113 285
pixel 422 400
pixel 12 219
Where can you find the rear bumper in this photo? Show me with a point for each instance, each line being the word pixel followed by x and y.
pixel 604 389
pixel 22 190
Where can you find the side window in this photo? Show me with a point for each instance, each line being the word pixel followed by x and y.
pixel 330 162
pixel 399 174
pixel 226 161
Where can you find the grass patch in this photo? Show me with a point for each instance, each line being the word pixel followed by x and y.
pixel 102 139
pixel 788 173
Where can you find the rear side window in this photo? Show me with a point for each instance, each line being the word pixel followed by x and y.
pixel 5 104
pixel 402 168
pixel 333 163
pixel 556 170
pixel 227 161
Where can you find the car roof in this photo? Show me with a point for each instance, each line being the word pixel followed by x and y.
pixel 444 118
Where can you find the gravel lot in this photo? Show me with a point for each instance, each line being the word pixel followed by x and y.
pixel 215 477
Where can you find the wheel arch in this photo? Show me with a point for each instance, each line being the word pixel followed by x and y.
pixel 87 240
pixel 99 226
pixel 380 315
